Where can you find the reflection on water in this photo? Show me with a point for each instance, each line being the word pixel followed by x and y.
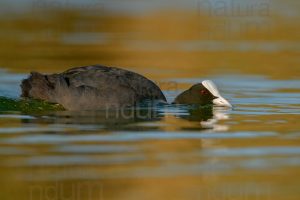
pixel 160 151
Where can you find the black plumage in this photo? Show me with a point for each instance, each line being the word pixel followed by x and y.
pixel 91 87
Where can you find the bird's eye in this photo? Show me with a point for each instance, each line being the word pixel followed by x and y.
pixel 203 92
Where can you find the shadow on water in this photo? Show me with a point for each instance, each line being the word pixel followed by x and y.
pixel 42 112
pixel 198 113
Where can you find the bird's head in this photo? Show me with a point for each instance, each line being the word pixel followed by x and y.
pixel 202 93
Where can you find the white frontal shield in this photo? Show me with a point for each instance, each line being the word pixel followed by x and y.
pixel 212 88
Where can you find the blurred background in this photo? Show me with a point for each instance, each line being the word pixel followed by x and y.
pixel 181 39
pixel 249 48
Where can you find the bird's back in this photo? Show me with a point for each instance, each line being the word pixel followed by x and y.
pixel 92 87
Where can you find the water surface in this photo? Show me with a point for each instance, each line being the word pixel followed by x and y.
pixel 165 151
pixel 250 150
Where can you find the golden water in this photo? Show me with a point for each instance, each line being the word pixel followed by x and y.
pixel 250 152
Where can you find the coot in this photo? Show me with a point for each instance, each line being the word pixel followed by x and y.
pixel 99 87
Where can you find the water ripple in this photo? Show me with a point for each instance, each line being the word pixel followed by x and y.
pixel 131 136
